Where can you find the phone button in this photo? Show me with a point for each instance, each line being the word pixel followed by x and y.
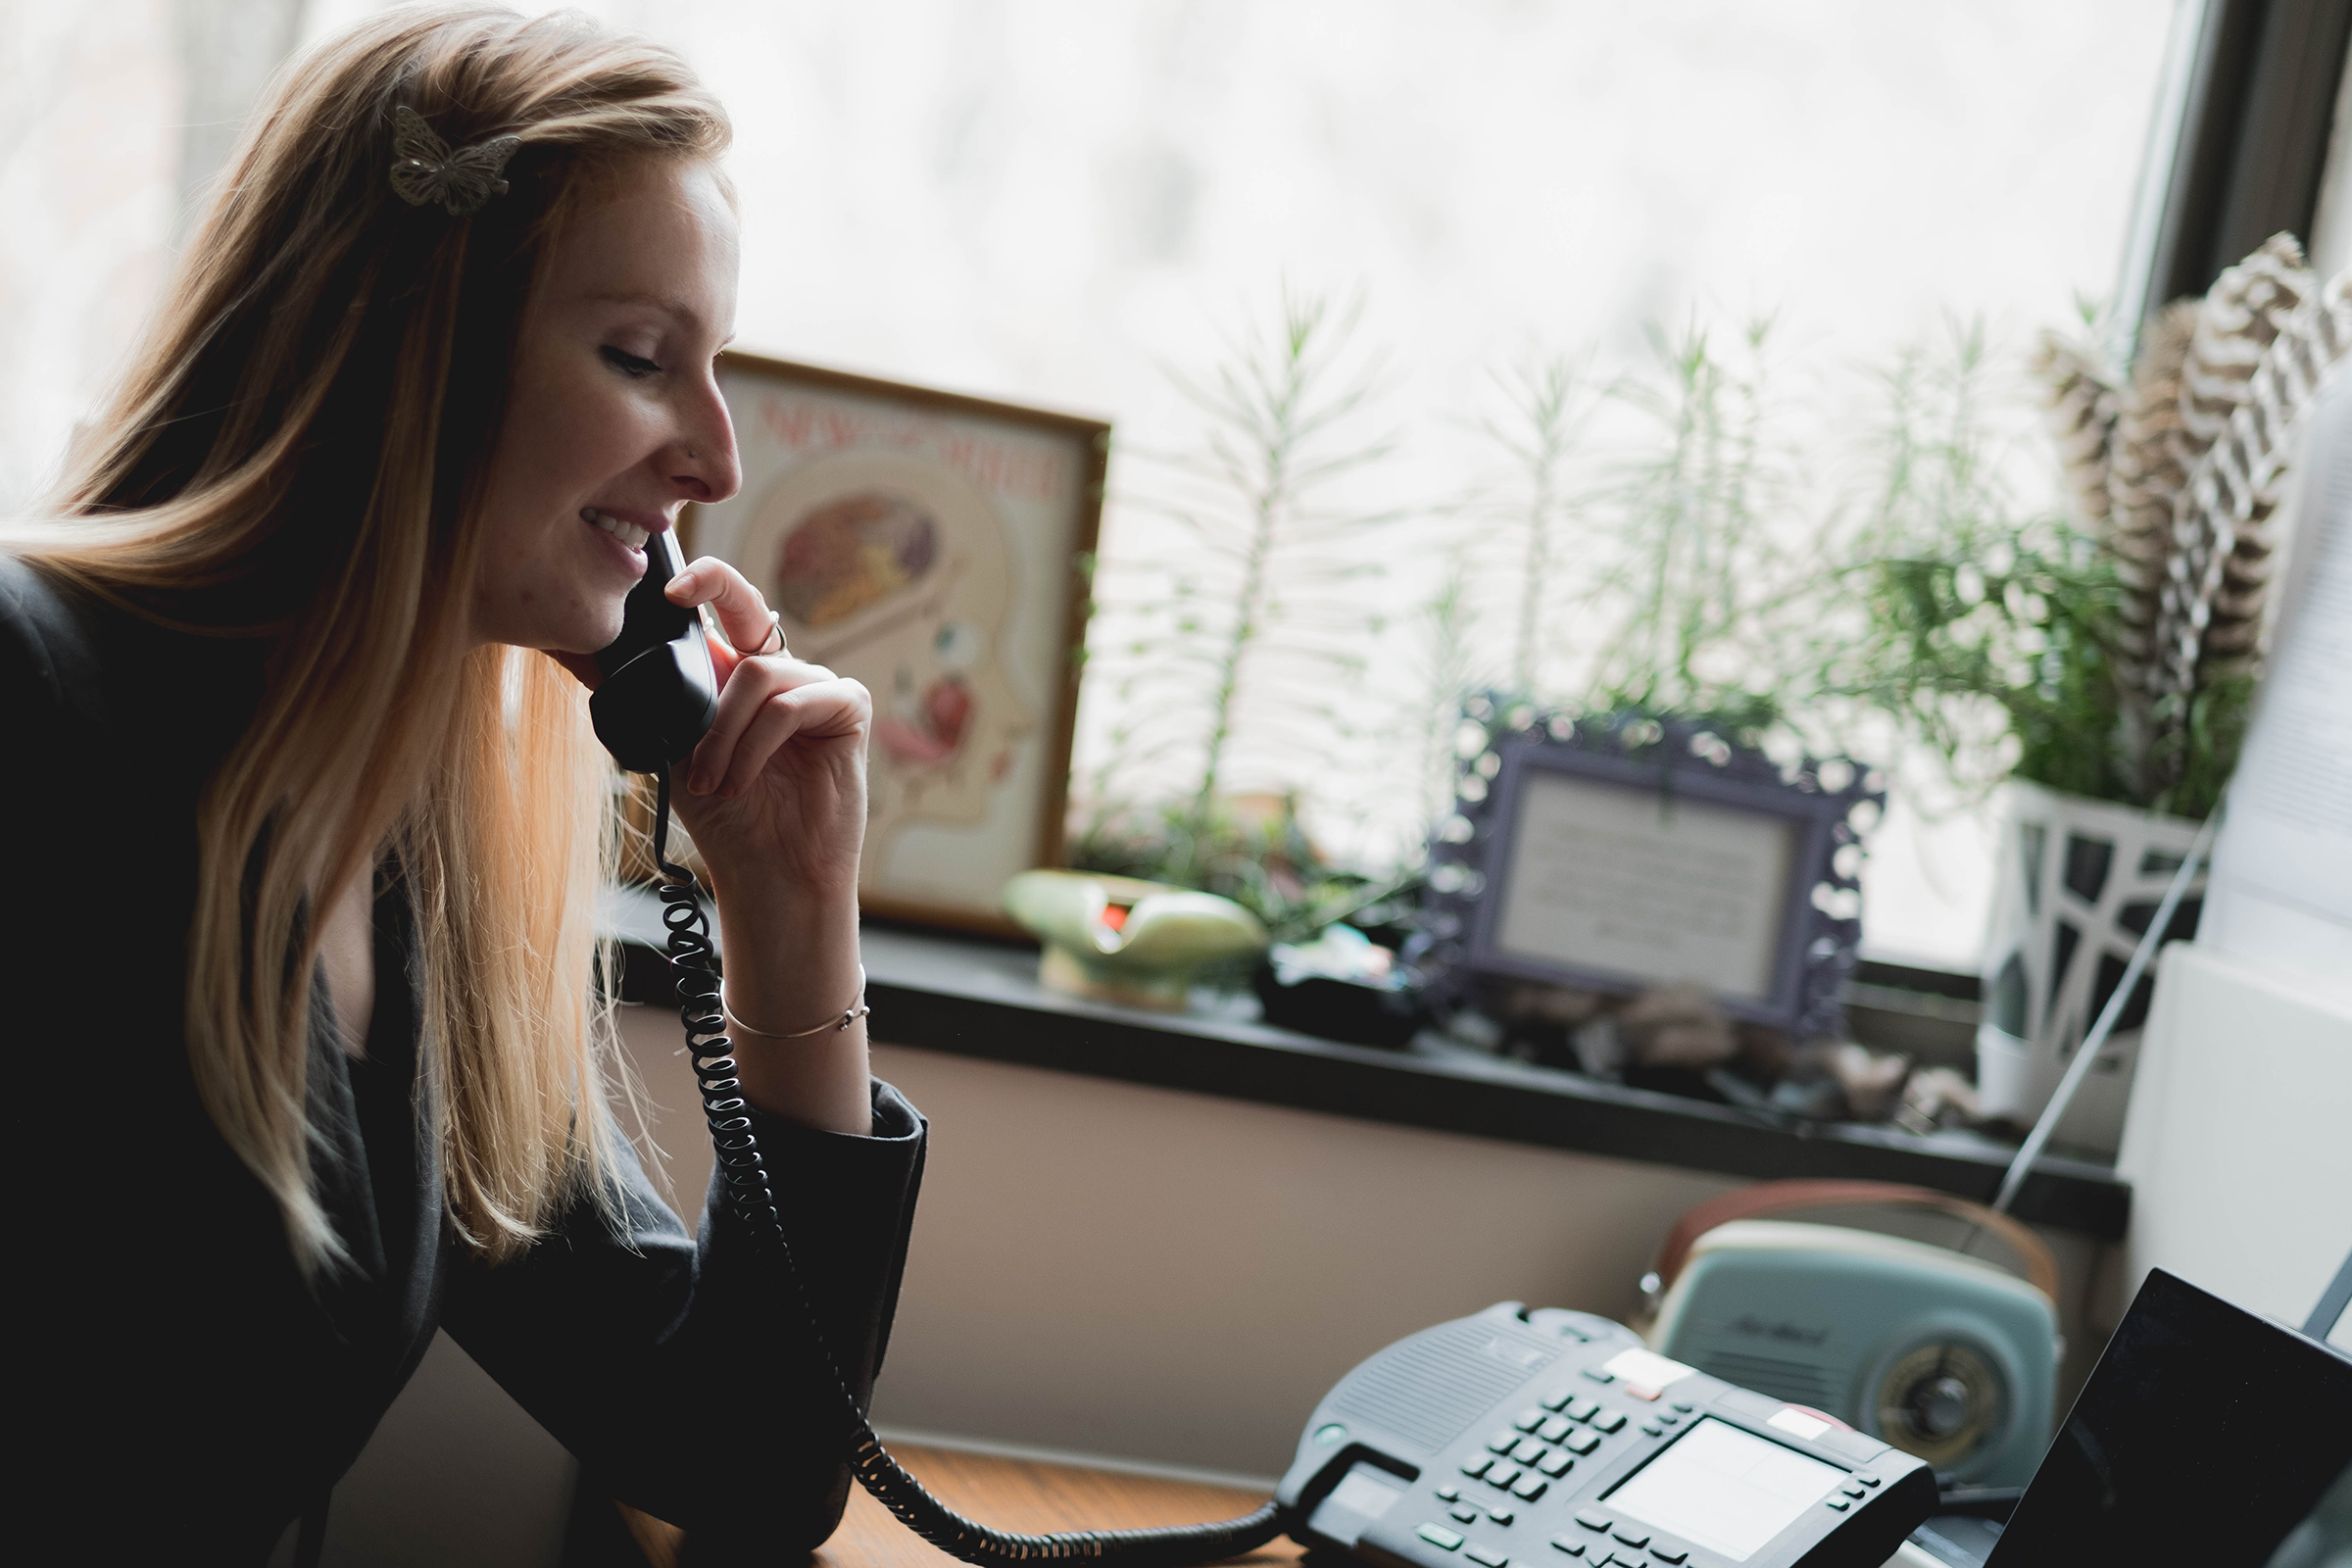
pixel 1487 1559
pixel 1574 1549
pixel 1556 1466
pixel 1610 1421
pixel 1477 1466
pixel 1583 1442
pixel 1439 1536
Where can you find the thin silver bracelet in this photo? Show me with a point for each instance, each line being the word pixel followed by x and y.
pixel 851 1015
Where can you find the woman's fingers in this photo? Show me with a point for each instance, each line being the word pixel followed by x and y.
pixel 824 710
pixel 751 682
pixel 742 614
pixel 776 722
pixel 763 705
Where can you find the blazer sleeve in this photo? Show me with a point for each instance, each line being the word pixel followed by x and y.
pixel 676 1369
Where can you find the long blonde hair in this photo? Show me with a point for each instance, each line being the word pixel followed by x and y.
pixel 297 453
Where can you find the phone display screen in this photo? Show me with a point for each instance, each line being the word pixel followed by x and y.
pixel 1726 1490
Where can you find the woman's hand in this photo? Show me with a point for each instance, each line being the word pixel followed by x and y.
pixel 775 798
pixel 775 793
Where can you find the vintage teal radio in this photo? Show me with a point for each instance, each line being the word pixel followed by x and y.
pixel 1944 1355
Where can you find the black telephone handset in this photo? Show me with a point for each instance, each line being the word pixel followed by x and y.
pixel 659 692
pixel 1496 1442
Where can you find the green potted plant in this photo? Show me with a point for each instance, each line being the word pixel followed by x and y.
pixel 2108 658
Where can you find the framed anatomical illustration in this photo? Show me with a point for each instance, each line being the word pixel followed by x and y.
pixel 934 546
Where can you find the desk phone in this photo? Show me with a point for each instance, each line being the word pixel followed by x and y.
pixel 1555 1439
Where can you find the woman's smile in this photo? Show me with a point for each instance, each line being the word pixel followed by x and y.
pixel 620 528
pixel 620 537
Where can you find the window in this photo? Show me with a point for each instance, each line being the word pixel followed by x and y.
pixel 1057 201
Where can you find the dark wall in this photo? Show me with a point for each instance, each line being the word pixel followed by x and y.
pixel 2254 141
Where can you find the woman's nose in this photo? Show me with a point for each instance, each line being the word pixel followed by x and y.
pixel 705 466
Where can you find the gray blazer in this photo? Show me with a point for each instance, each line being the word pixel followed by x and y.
pixel 179 1392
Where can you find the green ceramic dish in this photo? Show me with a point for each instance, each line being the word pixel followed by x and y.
pixel 1117 939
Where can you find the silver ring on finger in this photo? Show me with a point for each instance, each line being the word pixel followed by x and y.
pixel 775 634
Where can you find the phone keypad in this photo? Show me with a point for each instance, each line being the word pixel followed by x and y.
pixel 1529 1462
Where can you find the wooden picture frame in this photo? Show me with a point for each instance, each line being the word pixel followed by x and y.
pixel 1618 852
pixel 938 548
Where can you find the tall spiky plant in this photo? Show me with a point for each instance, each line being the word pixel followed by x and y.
pixel 1248 648
pixel 1449 676
pixel 1545 406
pixel 1692 596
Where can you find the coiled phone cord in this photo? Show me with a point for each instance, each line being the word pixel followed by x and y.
pixel 744 1176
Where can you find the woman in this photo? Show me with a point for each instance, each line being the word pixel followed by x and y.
pixel 293 692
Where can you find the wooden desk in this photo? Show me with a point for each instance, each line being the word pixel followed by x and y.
pixel 1007 1493
pixel 1015 1495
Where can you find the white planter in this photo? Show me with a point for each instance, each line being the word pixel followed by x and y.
pixel 2079 880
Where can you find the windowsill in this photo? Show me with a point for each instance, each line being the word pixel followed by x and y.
pixel 981 999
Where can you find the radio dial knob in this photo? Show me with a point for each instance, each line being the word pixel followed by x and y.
pixel 1938 1407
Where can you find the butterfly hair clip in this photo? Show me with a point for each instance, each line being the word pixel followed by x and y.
pixel 424 170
